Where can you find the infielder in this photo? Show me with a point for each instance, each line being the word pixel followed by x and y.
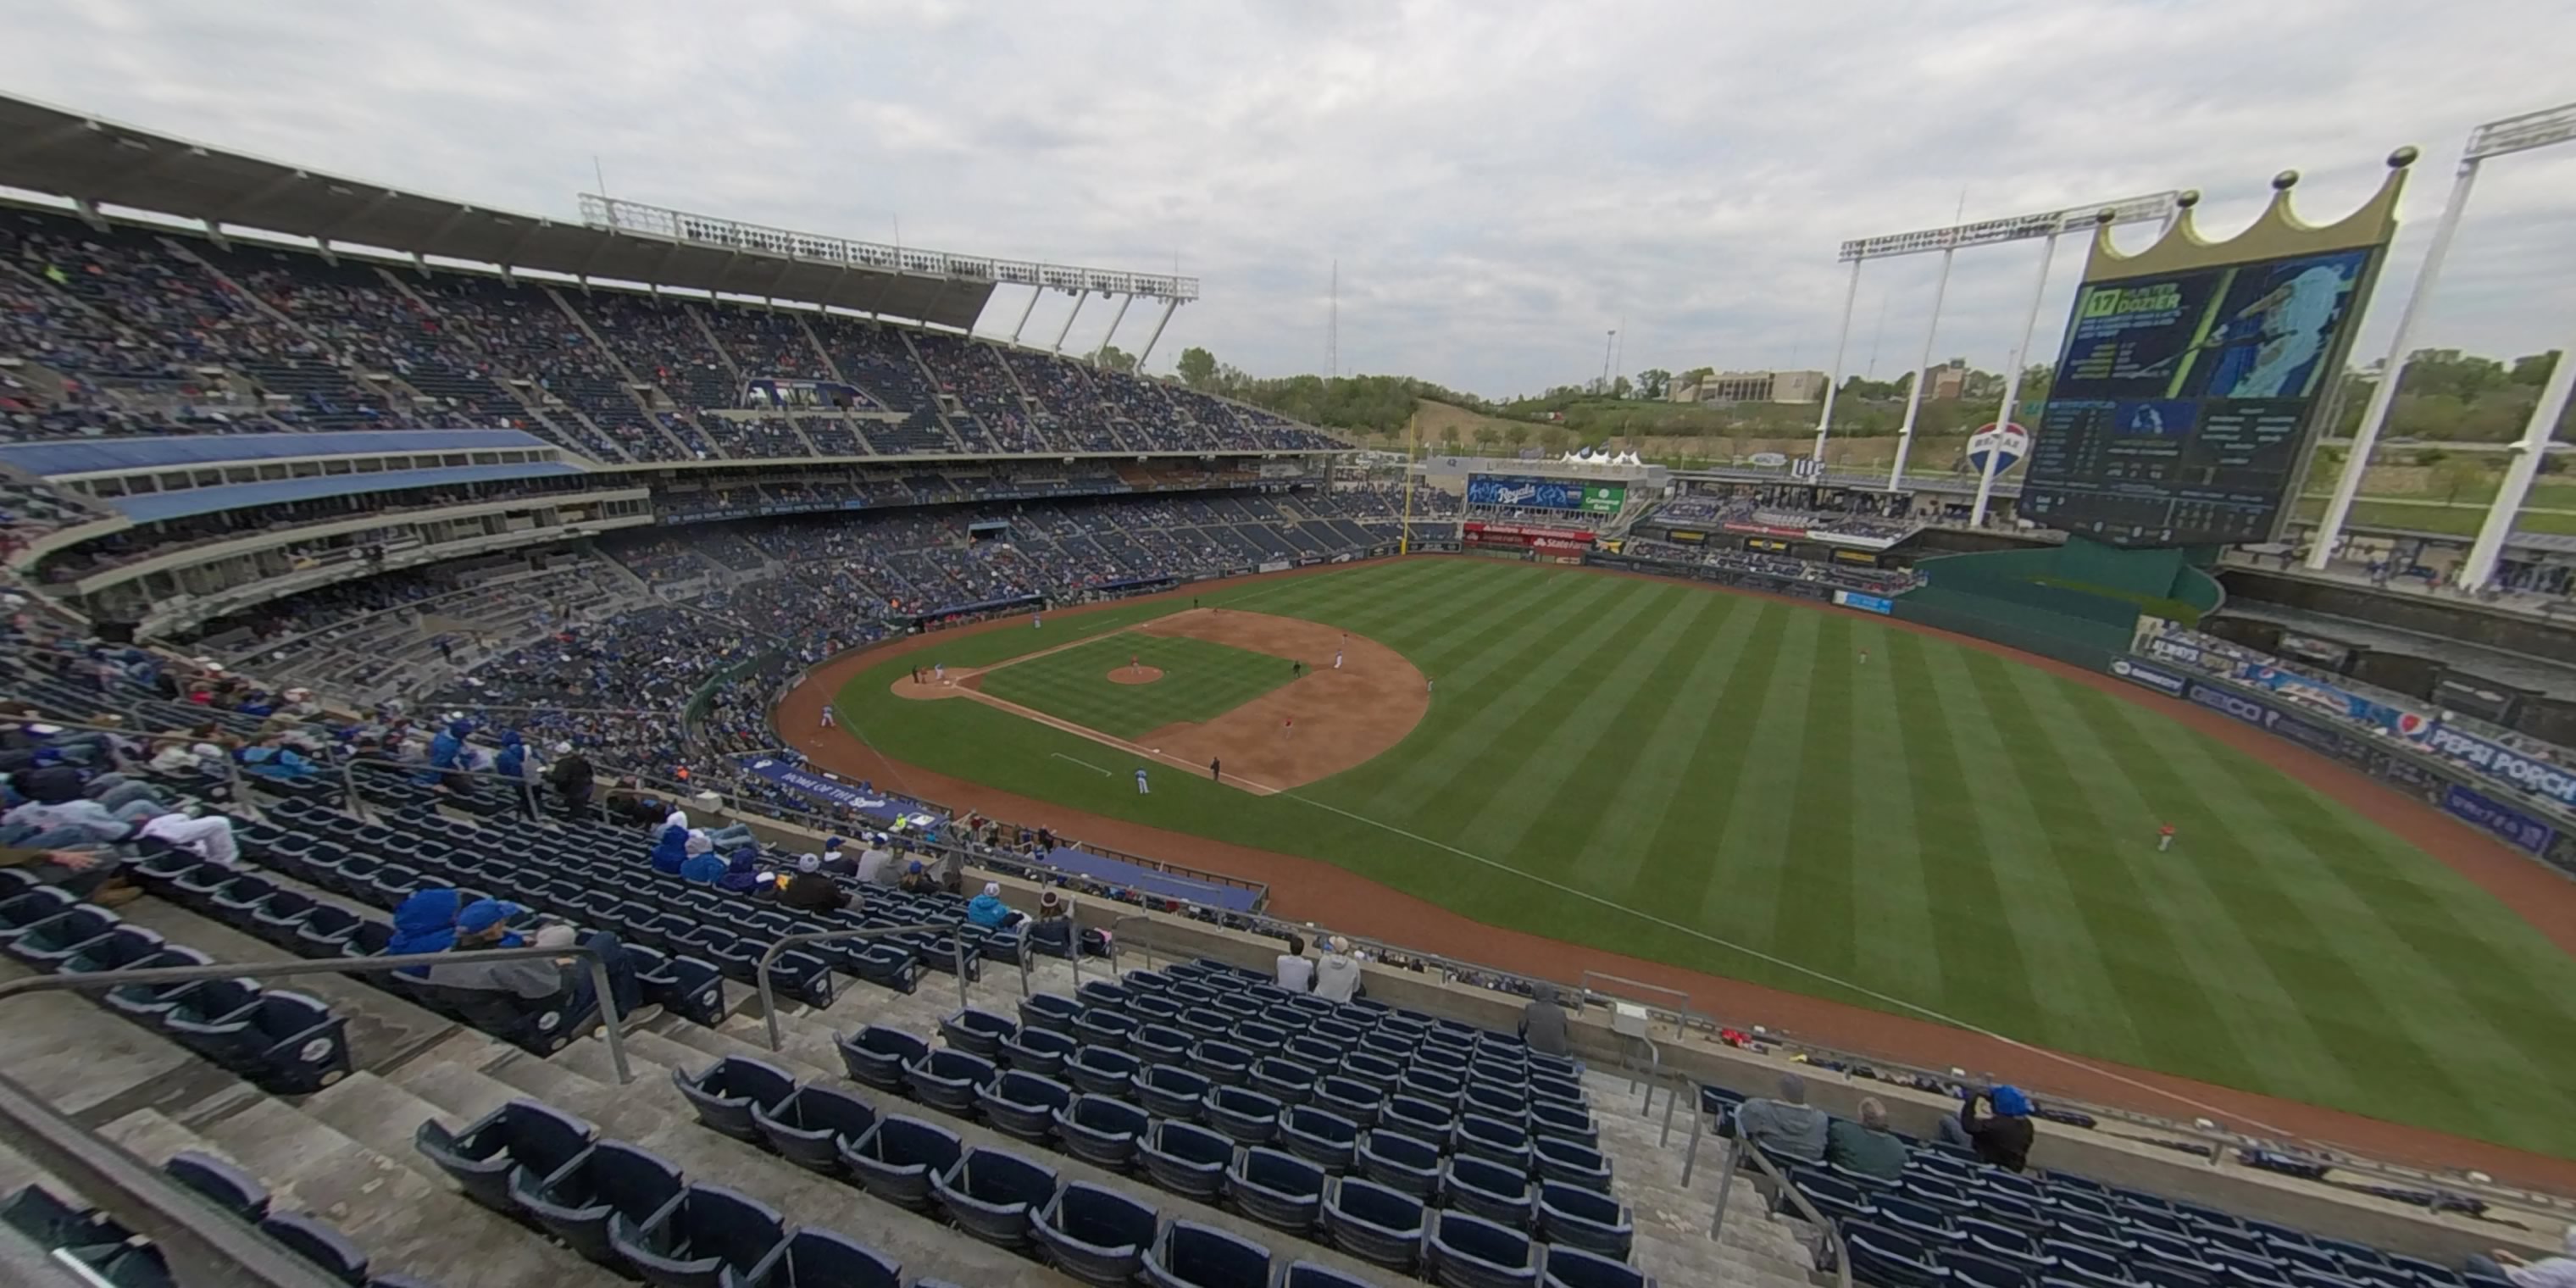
pixel 1337 659
pixel 827 715
pixel 939 672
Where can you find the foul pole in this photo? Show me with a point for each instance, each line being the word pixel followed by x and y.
pixel 1412 443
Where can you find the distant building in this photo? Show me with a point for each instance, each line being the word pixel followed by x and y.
pixel 1947 382
pixel 1751 386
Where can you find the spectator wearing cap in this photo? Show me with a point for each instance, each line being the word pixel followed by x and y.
pixel 1866 1147
pixel 1337 972
pixel 837 861
pixel 811 889
pixel 1053 929
pixel 570 777
pixel 917 879
pixel 1293 971
pixel 538 984
pixel 701 866
pixel 876 863
pixel 988 910
pixel 2003 1139
pixel 1786 1126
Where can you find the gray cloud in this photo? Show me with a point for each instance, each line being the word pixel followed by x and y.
pixel 1500 182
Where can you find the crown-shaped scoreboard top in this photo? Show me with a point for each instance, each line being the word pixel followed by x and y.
pixel 2278 233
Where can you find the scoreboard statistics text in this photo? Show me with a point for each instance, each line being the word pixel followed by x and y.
pixel 2180 412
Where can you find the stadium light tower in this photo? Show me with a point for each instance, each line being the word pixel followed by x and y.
pixel 1950 241
pixel 2545 128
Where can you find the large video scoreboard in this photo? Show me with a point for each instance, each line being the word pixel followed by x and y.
pixel 2183 405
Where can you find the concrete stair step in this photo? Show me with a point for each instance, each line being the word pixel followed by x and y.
pixel 462 1093
pixel 714 1044
pixel 617 1111
pixel 93 1065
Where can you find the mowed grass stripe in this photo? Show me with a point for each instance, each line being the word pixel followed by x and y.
pixel 1650 792
pixel 2251 854
pixel 1201 680
pixel 1983 973
pixel 1820 917
pixel 1685 868
pixel 1755 841
pixel 1555 794
pixel 2199 993
pixel 1892 890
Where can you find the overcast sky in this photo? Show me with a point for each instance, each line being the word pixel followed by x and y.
pixel 1502 183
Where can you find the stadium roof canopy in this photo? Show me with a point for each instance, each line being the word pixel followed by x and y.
pixel 70 154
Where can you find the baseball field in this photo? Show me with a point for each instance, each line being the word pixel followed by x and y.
pixel 1804 798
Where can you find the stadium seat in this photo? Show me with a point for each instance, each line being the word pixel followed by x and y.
pixel 24 912
pixel 992 1193
pixel 315 1241
pixel 708 1238
pixel 1101 1130
pixel 1376 1071
pixel 1052 1011
pixel 1023 1105
pixel 1104 1028
pixel 1044 1052
pixel 1222 1063
pixel 1467 1251
pixel 1095 1235
pixel 1982 1271
pixel 1569 1267
pixel 1191 1255
pixel 812 1124
pixel 878 1056
pixel 1103 1071
pixel 801 976
pixel 1279 1190
pixel 326 931
pixel 1313 1052
pixel 685 986
pixel 1321 1137
pixel 1886 1259
pixel 1503 1142
pixel 977 1032
pixel 1378 1225
pixel 220 1183
pixel 1246 1116
pixel 1169 1091
pixel 896 1158
pixel 286 1043
pixel 811 1258
pixel 1433 1087
pixel 1161 1044
pixel 488 1155
pixel 727 1093
pixel 1564 1160
pixel 1421 1120
pixel 1186 1159
pixel 1281 1079
pixel 1357 1101
pixel 1595 1222
pixel 1489 1189
pixel 147 1003
pixel 1400 1162
pixel 55 940
pixel 124 948
pixel 278 917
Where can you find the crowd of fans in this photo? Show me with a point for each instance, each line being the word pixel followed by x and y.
pixel 298 342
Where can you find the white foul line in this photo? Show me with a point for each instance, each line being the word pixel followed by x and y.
pixel 1079 761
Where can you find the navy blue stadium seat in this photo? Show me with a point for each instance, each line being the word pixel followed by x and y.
pixel 147 1003
pixel 1051 1011
pixel 610 1180
pixel 1400 1162
pixel 804 976
pixel 709 1238
pixel 1161 1044
pixel 992 1193
pixel 979 1032
pixel 948 1079
pixel 728 1092
pixel 1277 1189
pixel 1379 1225
pixel 1377 1071
pixel 1311 1274
pixel 1981 1271
pixel 1170 1091
pixel 1191 1255
pixel 878 1056
pixel 1569 1214
pixel 521 1136
pixel 1575 1268
pixel 1489 1189
pixel 1355 1100
pixel 55 940
pixel 896 1158
pixel 1321 1137
pixel 1503 1142
pixel 317 1242
pixel 1103 1071
pixel 1095 1235
pixel 1427 1084
pixel 1574 1164
pixel 1040 1051
pixel 23 912
pixel 685 986
pixel 1282 1079
pixel 1421 1120
pixel 286 1043
pixel 1245 1115
pixel 1884 1258
pixel 1101 1130
pixel 811 1258
pixel 326 931
pixel 1467 1251
pixel 1023 1105
pixel 218 1182
pixel 812 1124
pixel 1187 1159
pixel 1222 1063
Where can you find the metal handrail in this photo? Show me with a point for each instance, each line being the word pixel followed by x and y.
pixel 293 966
pixel 1806 1210
pixel 769 993
pixel 203 1246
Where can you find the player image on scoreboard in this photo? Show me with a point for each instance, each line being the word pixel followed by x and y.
pixel 2274 324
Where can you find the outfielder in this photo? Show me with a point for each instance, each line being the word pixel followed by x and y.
pixel 1142 788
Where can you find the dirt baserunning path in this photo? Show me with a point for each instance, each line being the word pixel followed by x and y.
pixel 1304 889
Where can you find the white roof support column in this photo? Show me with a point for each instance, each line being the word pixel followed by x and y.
pixel 1067 328
pixel 1112 332
pixel 1914 387
pixel 1025 311
pixel 1159 323
pixel 1842 338
pixel 2479 568
pixel 2012 383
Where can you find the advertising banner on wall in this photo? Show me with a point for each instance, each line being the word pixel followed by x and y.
pixel 2519 830
pixel 2333 700
pixel 1866 603
pixel 2503 764
pixel 2139 671
pixel 1546 494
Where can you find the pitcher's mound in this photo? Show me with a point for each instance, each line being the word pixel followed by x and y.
pixel 1136 675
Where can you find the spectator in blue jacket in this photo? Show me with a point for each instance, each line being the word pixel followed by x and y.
pixel 988 910
pixel 425 923
pixel 741 876
pixel 702 866
pixel 671 850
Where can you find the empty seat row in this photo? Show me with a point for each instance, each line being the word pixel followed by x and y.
pixel 285 1042
pixel 113 1254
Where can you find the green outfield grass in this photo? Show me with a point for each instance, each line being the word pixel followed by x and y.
pixel 1200 680
pixel 1698 778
